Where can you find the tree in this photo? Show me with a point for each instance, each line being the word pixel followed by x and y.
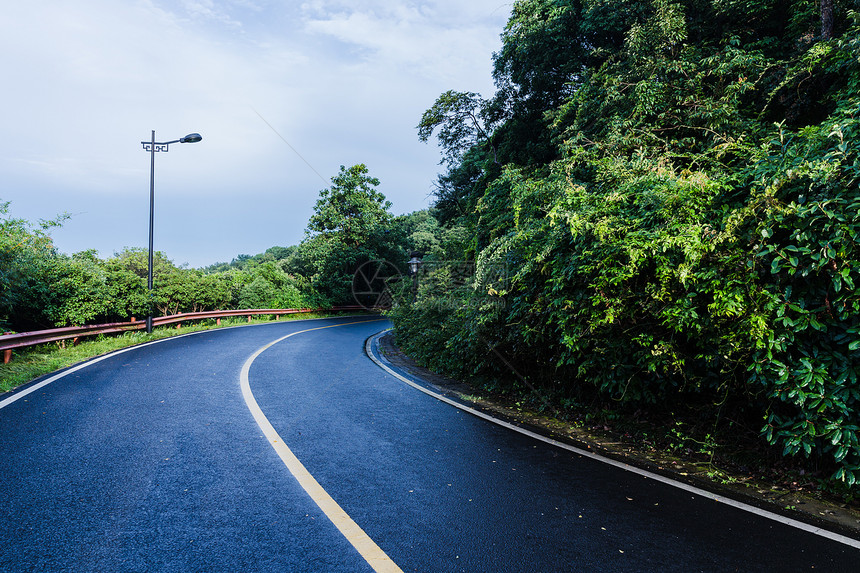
pixel 269 286
pixel 28 265
pixel 826 19
pixel 351 225
pixel 80 291
pixel 280 253
pixel 461 121
pixel 351 210
pixel 126 278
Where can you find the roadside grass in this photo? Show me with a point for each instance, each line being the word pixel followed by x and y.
pixel 30 363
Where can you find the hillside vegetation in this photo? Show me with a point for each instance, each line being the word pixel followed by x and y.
pixel 661 201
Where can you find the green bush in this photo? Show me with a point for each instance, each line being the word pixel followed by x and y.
pixel 689 238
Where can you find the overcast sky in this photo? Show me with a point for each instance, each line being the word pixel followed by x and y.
pixel 282 92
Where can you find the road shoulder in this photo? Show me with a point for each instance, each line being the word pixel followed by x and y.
pixel 800 506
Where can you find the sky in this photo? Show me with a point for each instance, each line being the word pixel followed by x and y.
pixel 283 93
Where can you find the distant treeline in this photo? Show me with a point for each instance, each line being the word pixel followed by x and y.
pixel 41 288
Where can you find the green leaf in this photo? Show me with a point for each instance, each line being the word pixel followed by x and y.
pixel 775 266
pixel 840 453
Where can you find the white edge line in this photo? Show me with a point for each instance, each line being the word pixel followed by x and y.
pixel 366 547
pixel 369 348
pixel 39 385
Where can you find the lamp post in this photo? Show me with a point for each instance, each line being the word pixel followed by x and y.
pixel 152 147
pixel 414 264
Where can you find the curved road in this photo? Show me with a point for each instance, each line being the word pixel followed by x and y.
pixel 174 456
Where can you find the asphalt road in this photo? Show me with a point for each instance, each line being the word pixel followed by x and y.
pixel 152 460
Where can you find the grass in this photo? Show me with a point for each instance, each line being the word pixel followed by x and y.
pixel 31 363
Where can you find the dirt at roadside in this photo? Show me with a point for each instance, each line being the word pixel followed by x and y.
pixel 799 505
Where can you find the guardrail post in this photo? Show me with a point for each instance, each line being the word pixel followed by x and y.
pixel 218 322
pixel 7 356
pixel 249 318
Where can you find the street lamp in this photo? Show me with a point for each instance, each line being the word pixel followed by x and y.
pixel 414 264
pixel 152 147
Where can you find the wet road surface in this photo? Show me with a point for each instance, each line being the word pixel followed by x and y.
pixel 150 460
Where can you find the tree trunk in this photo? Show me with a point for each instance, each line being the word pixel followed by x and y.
pixel 826 19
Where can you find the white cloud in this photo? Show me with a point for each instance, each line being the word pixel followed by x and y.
pixel 428 39
pixel 210 10
pixel 343 82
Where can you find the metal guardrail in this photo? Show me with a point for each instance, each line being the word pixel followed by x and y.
pixel 8 342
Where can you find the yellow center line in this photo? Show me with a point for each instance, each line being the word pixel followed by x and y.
pixel 368 549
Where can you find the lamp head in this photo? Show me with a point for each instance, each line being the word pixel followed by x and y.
pixel 414 262
pixel 191 138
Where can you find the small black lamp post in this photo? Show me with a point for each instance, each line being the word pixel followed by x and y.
pixel 152 147
pixel 414 264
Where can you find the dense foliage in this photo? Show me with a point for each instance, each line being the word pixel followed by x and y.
pixel 673 189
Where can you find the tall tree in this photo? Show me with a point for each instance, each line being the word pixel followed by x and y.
pixel 351 210
pixel 351 225
pixel 541 64
pixel 462 125
pixel 29 263
pixel 826 19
